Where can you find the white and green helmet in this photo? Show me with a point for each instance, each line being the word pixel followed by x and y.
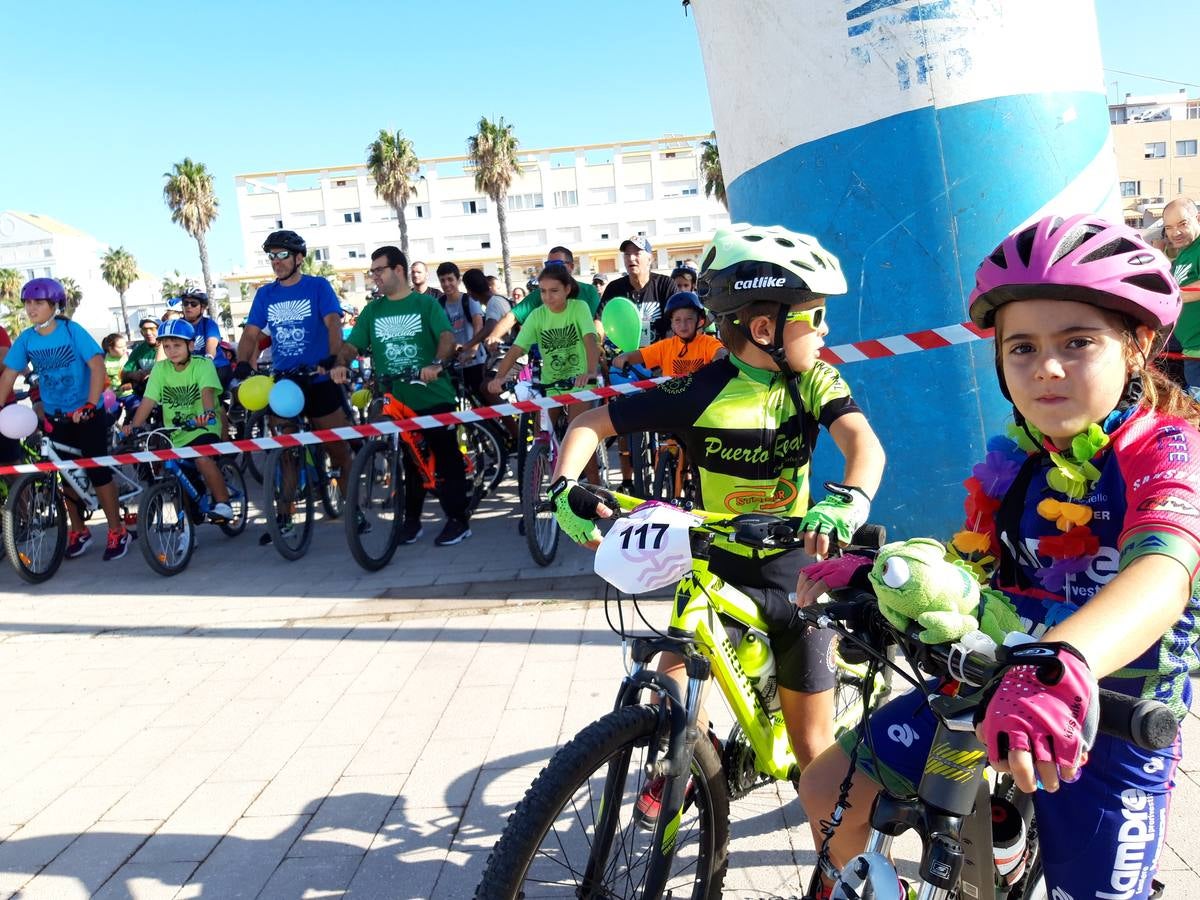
pixel 747 264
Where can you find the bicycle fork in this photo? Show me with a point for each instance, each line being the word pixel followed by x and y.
pixel 678 719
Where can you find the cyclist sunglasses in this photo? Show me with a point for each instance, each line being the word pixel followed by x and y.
pixel 813 317
pixel 278 254
pixel 191 302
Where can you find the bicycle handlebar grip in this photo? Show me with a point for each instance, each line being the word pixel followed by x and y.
pixel 1147 723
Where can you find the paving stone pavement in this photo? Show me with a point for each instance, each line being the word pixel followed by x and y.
pixel 259 728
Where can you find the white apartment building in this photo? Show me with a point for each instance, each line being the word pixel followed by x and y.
pixel 38 246
pixel 588 198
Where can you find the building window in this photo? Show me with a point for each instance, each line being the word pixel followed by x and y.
pixel 604 236
pixel 354 216
pixel 341 182
pixel 47 252
pixel 485 244
pixel 420 210
pixel 1194 111
pixel 279 223
pixel 1131 188
pixel 320 254
pixel 1156 150
pixel 355 254
pixel 690 191
pixel 1185 148
pixel 474 207
pixel 565 198
pixel 518 202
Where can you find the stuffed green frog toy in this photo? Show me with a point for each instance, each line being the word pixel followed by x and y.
pixel 914 582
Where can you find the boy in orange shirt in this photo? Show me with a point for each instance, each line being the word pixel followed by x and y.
pixel 687 349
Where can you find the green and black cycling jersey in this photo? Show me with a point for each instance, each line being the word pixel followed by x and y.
pixel 750 444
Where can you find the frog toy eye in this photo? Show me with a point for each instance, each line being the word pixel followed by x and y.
pixel 896 573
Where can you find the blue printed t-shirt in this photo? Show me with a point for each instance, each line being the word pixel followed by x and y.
pixel 60 359
pixel 295 316
pixel 207 328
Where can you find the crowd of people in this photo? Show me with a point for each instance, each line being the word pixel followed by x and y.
pixel 1083 521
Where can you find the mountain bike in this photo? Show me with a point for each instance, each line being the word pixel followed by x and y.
pixel 675 478
pixel 576 833
pixel 177 501
pixel 35 515
pixel 375 493
pixel 537 513
pixel 293 477
pixel 977 841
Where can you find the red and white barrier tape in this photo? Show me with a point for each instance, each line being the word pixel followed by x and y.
pixel 840 354
pixel 349 432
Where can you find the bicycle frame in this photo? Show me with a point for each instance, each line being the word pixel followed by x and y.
pixel 127 488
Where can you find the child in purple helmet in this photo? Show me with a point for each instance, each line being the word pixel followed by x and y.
pixel 70 368
pixel 1087 519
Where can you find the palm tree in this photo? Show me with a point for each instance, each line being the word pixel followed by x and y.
pixel 173 285
pixel 118 268
pixel 710 171
pixel 393 164
pixel 74 295
pixel 10 292
pixel 323 269
pixel 189 194
pixel 493 152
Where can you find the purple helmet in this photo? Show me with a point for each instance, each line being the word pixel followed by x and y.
pixel 44 289
pixel 1083 258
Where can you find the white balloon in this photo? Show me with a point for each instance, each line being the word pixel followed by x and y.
pixel 17 421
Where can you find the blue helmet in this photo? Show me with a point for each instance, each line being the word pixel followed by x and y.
pixel 685 300
pixel 177 328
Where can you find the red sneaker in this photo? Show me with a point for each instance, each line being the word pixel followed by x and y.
pixel 77 542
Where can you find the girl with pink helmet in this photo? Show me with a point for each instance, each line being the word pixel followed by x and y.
pixel 1086 518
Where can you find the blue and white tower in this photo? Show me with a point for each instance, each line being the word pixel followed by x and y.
pixel 910 137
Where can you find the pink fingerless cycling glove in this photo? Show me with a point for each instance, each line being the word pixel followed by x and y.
pixel 1045 703
pixel 839 572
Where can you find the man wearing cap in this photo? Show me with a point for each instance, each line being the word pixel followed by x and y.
pixel 558 256
pixel 648 290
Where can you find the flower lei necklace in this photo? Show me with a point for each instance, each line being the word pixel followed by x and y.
pixel 1073 475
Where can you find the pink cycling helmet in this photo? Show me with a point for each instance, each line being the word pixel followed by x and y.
pixel 1083 258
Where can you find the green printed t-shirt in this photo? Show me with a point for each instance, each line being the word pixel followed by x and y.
pixel 559 337
pixel 401 337
pixel 181 395
pixel 587 293
pixel 141 357
pixel 1186 271
pixel 114 367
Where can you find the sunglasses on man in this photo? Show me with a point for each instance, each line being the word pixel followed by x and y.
pixel 278 254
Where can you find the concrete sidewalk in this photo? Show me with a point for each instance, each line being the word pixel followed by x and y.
pixel 254 728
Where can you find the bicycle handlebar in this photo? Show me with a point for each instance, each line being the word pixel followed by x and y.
pixel 1144 722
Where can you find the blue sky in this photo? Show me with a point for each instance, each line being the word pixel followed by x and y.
pixel 100 99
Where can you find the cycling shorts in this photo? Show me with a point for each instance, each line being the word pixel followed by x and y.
pixel 90 438
pixel 1100 836
pixel 803 655
pixel 322 398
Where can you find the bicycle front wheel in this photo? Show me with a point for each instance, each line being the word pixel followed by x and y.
pixel 551 840
pixel 35 526
pixel 168 535
pixel 664 476
pixel 375 503
pixel 541 527
pixel 288 501
pixel 851 685
pixel 329 478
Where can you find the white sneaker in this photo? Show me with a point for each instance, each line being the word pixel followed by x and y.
pixel 221 511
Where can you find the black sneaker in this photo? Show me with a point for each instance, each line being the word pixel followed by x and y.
pixel 455 532
pixel 411 533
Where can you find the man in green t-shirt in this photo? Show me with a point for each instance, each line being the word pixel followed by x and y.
pixel 142 356
pixel 1181 227
pixel 522 311
pixel 408 337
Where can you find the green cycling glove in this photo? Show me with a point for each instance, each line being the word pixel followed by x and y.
pixel 840 514
pixel 575 510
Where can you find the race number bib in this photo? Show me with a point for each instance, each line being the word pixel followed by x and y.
pixel 647 549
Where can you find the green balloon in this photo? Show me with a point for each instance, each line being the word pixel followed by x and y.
pixel 622 324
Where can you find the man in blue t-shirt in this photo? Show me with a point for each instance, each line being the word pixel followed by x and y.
pixel 70 369
pixel 196 309
pixel 304 317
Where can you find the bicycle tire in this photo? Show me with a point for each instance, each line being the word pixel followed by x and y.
pixel 541 526
pixel 329 479
pixel 239 500
pixel 255 426
pixel 849 686
pixel 376 482
pixel 664 476
pixel 284 507
pixel 167 533
pixel 35 526
pixel 641 458
pixel 487 457
pixel 702 840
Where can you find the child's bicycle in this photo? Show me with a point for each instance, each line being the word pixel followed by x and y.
pixel 35 515
pixel 978 840
pixel 292 479
pixel 177 501
pixel 537 513
pixel 675 478
pixel 375 493
pixel 576 832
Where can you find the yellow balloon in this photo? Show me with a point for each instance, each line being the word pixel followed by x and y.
pixel 360 398
pixel 255 391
